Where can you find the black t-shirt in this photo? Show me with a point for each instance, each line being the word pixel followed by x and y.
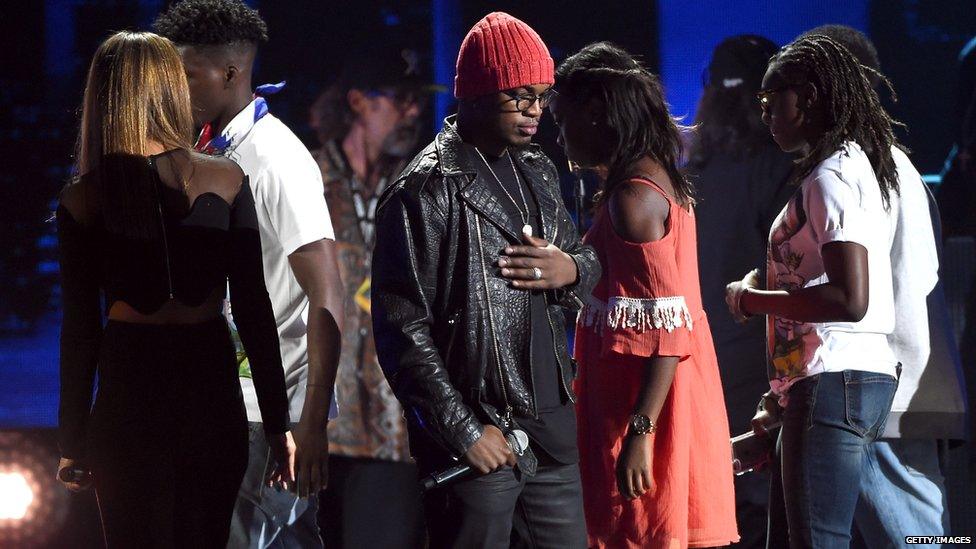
pixel 738 198
pixel 554 430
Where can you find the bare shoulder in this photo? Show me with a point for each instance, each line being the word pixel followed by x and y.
pixel 639 212
pixel 216 174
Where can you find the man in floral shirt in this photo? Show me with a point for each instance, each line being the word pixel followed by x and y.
pixel 368 123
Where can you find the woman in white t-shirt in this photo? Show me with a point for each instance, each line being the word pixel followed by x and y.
pixel 828 296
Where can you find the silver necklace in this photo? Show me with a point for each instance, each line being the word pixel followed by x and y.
pixel 526 228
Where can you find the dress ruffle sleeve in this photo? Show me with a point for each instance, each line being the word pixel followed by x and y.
pixel 645 313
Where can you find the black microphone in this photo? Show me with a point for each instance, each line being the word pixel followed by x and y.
pixel 518 441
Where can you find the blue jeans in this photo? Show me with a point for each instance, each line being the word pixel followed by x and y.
pixel 902 493
pixel 268 517
pixel 828 426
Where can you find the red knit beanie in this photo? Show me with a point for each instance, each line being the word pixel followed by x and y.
pixel 500 53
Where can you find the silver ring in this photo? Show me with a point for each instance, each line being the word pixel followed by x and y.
pixel 536 273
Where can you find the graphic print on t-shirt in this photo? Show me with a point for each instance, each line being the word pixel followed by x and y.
pixel 787 354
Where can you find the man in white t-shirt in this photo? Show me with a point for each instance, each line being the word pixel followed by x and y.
pixel 218 41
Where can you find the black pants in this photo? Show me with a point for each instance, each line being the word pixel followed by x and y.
pixel 508 509
pixel 371 503
pixel 168 435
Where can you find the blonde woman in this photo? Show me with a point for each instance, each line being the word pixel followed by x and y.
pixel 158 230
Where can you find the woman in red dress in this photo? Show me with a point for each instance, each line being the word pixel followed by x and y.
pixel 654 444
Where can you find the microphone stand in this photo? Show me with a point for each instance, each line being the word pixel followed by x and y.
pixel 579 193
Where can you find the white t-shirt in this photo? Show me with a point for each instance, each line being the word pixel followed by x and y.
pixel 929 402
pixel 291 210
pixel 839 201
pixel 915 269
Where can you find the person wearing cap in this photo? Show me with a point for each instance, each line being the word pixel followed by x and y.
pixel 368 122
pixel 476 259
pixel 742 182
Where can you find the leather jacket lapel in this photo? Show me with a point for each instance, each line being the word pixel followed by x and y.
pixel 484 196
pixel 488 200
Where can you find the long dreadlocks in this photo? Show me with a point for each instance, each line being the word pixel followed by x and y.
pixel 851 108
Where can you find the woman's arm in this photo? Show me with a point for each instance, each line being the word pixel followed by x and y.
pixel 81 334
pixel 253 314
pixel 641 214
pixel 844 298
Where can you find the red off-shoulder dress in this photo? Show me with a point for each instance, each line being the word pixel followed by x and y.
pixel 648 303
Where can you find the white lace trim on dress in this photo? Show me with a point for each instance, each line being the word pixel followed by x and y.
pixel 639 314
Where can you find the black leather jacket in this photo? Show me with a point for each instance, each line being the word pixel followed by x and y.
pixel 441 309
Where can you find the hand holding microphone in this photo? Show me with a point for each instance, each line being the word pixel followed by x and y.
pixel 73 475
pixel 492 451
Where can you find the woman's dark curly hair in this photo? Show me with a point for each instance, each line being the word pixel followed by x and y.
pixel 849 105
pixel 636 116
pixel 728 120
pixel 211 23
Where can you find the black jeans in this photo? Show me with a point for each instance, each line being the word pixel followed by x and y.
pixel 828 424
pixel 509 509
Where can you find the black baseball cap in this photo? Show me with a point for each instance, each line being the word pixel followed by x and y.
pixel 740 60
pixel 399 68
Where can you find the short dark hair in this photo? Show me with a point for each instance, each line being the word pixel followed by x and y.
pixel 858 44
pixel 636 112
pixel 211 23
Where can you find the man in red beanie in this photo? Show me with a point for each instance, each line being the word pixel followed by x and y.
pixel 475 259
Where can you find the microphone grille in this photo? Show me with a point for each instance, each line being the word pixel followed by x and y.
pixel 521 440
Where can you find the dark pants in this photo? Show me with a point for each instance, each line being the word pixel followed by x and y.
pixel 169 434
pixel 371 503
pixel 509 509
pixel 830 421
pixel 751 509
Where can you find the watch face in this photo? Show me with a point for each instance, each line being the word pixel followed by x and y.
pixel 640 423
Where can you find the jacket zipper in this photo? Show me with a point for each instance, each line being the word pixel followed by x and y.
pixel 452 322
pixel 562 377
pixel 507 419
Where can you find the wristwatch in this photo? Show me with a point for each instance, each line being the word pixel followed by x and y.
pixel 641 425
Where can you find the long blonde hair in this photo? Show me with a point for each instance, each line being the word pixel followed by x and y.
pixel 136 92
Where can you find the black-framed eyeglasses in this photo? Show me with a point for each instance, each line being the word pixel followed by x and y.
pixel 524 101
pixel 765 96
